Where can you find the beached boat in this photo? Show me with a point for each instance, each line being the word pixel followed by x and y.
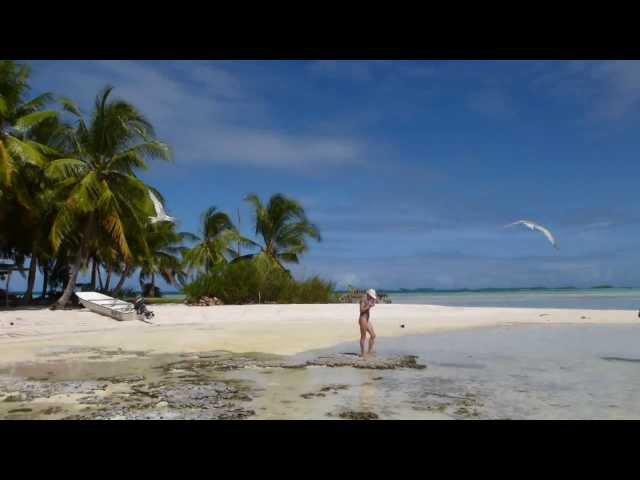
pixel 106 305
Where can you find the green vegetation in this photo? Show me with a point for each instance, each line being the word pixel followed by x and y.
pixel 219 236
pixel 283 227
pixel 72 202
pixel 258 280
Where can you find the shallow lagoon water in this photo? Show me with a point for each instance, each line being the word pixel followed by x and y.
pixel 517 372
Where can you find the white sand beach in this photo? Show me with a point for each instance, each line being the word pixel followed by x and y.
pixel 27 335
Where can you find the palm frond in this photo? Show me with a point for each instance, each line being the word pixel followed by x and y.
pixel 70 106
pixel 289 257
pixel 188 237
pixel 34 104
pixel 30 120
pixel 151 149
pixel 258 210
pixel 87 193
pixel 7 166
pixel 62 226
pixel 25 150
pixel 64 168
pixel 114 227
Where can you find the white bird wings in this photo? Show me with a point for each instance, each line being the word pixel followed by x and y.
pixel 535 226
pixel 161 215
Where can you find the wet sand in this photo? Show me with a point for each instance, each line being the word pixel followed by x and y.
pixel 512 372
pixel 196 363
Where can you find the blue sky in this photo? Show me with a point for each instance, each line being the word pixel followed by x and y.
pixel 410 169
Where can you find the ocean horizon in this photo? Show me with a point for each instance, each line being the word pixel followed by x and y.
pixel 596 298
pixel 602 297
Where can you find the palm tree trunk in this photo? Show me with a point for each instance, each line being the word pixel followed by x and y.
pixel 93 274
pixel 123 277
pixel 33 265
pixel 6 291
pixel 99 278
pixel 238 232
pixel 73 275
pixel 108 279
pixel 83 255
pixel 45 282
pixel 153 284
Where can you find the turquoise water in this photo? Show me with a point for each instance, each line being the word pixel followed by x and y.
pixel 521 372
pixel 592 298
pixel 517 372
pixel 588 298
pixel 174 296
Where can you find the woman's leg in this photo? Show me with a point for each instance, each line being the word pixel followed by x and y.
pixel 372 336
pixel 363 336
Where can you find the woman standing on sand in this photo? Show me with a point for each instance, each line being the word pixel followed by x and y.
pixel 366 304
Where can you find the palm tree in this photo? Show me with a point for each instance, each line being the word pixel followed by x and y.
pixel 17 117
pixel 284 228
pixel 124 270
pixel 101 198
pixel 215 247
pixel 25 131
pixel 164 256
pixel 41 207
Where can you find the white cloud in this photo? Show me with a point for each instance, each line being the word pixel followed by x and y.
pixel 607 89
pixel 204 112
pixel 621 82
pixel 267 148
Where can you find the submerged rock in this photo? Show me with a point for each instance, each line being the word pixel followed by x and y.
pixel 354 415
pixel 21 410
pixel 373 363
pixel 122 379
pixel 19 397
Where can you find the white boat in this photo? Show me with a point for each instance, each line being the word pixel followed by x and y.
pixel 106 305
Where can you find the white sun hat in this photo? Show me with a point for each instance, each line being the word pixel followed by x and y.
pixel 372 293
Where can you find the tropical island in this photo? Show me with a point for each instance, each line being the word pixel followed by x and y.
pixel 250 339
pixel 72 180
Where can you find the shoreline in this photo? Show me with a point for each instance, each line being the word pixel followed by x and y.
pixel 271 329
pixel 262 362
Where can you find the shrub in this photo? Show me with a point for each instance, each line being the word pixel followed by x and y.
pixel 258 280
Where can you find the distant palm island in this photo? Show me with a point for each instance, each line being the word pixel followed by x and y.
pixel 488 289
pixel 475 290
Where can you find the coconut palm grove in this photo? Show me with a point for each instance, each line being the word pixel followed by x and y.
pixel 72 203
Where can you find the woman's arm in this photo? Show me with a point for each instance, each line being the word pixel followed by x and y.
pixel 364 306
